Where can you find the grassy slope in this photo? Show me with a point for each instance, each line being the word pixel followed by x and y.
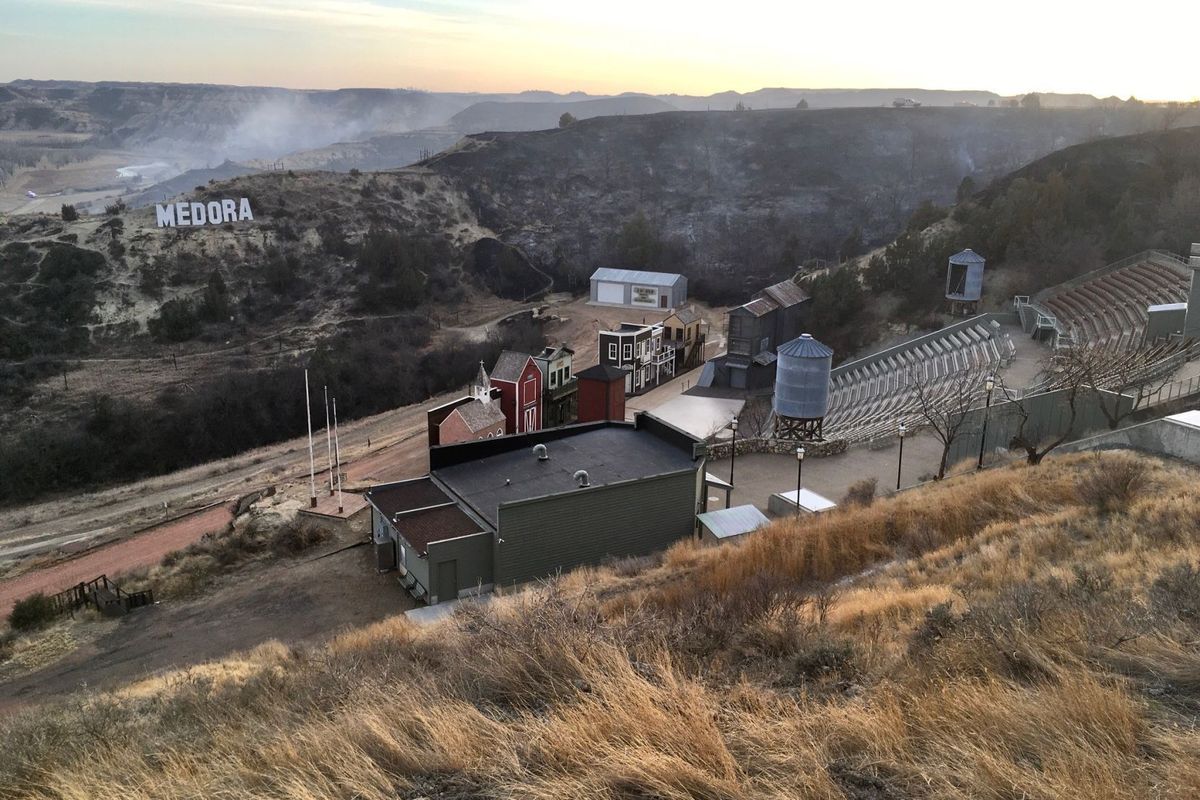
pixel 1014 634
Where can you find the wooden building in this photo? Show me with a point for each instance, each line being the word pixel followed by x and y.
pixel 475 416
pixel 519 379
pixel 754 330
pixel 683 331
pixel 601 393
pixel 641 351
pixel 559 386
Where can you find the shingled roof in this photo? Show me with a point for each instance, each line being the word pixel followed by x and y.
pixel 785 293
pixel 479 415
pixel 509 365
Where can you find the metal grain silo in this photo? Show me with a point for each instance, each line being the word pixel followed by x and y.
pixel 964 281
pixel 801 388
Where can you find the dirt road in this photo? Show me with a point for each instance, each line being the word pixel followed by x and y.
pixel 144 549
pixel 291 601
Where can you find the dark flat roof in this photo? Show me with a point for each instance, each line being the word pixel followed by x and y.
pixel 407 505
pixel 609 454
pixel 422 528
pixel 395 498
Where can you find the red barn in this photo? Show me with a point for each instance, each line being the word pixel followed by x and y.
pixel 601 393
pixel 519 380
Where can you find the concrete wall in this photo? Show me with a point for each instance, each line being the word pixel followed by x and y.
pixel 1158 437
pixel 1049 415
pixel 631 518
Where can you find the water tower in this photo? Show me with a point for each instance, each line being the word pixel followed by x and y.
pixel 964 282
pixel 801 388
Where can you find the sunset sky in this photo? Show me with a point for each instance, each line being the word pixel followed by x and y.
pixel 656 46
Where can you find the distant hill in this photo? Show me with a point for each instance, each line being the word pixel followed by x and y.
pixel 531 116
pixel 736 199
pixel 187 181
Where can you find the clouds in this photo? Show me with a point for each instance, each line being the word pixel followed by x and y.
pixel 687 46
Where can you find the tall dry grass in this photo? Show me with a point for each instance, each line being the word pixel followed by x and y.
pixel 1001 636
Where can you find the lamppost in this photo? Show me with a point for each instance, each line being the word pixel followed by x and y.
pixel 900 461
pixel 799 472
pixel 732 458
pixel 989 384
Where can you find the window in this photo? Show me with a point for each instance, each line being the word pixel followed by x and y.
pixel 612 351
pixel 566 373
pixel 403 553
pixel 553 379
pixel 627 351
pixel 764 343
pixel 679 334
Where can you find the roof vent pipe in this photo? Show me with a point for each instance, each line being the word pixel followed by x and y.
pixel 539 450
pixel 581 477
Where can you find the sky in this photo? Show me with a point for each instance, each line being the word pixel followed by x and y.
pixel 611 46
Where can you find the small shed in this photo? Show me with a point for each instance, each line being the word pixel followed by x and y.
pixel 783 504
pixel 638 288
pixel 729 524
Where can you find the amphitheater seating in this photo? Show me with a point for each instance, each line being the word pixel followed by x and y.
pixel 867 403
pixel 1112 306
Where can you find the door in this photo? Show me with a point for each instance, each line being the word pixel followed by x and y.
pixel 662 301
pixel 610 293
pixel 447 581
pixel 531 419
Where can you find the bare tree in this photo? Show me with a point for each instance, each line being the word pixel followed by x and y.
pixel 1029 438
pixel 1119 372
pixel 945 405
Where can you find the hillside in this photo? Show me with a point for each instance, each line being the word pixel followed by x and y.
pixel 1065 214
pixel 736 199
pixel 1026 632
pixel 530 116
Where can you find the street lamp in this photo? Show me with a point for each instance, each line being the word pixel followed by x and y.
pixel 799 472
pixel 732 457
pixel 989 384
pixel 900 461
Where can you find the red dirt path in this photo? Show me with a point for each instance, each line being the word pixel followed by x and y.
pixel 145 549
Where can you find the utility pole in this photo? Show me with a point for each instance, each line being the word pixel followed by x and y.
pixel 312 465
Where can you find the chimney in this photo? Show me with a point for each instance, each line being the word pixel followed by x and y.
pixel 1191 320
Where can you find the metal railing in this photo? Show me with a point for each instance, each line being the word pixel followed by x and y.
pixel 1171 391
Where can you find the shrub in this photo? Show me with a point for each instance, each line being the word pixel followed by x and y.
pixel 69 213
pixel 1176 592
pixel 35 611
pixel 938 622
pixel 861 493
pixel 1112 484
pixel 822 657
pixel 297 536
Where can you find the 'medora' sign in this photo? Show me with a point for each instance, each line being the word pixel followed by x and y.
pixel 214 212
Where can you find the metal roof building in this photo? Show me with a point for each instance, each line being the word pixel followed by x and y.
pixel 638 288
pixel 964 280
pixel 730 523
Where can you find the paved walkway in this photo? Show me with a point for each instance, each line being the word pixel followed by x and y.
pixel 757 476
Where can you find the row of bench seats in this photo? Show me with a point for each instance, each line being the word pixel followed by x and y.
pixel 1114 305
pixel 869 402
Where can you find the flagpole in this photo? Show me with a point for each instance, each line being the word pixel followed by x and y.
pixel 328 443
pixel 312 465
pixel 337 453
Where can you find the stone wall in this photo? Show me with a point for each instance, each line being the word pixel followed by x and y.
pixel 784 447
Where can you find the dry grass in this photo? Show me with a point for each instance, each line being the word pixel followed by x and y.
pixel 1001 636
pixel 185 572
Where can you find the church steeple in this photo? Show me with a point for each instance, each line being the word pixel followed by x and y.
pixel 481 389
